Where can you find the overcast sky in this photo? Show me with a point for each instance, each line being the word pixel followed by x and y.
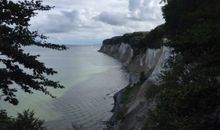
pixel 91 21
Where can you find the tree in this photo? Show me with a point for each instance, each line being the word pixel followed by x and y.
pixel 15 33
pixel 186 97
pixel 23 121
pixel 194 29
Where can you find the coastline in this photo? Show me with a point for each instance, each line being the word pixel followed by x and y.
pixel 143 68
pixel 112 123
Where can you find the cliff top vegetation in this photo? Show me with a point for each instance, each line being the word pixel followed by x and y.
pixel 140 40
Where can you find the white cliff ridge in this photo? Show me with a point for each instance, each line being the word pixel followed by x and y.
pixel 150 62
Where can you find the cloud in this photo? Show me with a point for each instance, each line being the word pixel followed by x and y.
pixel 84 20
pixel 145 10
pixel 112 18
pixel 135 4
pixel 64 21
pixel 138 10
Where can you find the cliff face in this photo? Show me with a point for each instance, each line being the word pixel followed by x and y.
pixel 149 64
pixel 122 51
pixel 150 61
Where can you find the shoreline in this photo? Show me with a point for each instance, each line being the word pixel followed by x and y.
pixel 112 122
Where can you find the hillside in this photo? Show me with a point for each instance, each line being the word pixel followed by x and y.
pixel 144 65
pixel 175 86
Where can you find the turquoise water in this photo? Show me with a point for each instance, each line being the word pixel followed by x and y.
pixel 90 79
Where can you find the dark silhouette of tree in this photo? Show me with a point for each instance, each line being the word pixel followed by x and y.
pixel 14 35
pixel 186 97
pixel 23 121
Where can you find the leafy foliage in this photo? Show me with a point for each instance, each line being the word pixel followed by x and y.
pixel 5 121
pixel 128 95
pixel 182 102
pixel 140 40
pixel 194 29
pixel 14 35
pixel 23 121
pixel 154 39
pixel 186 96
pixel 132 39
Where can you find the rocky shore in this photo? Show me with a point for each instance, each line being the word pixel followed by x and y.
pixel 112 123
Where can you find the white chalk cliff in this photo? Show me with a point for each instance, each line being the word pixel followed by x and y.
pixel 151 62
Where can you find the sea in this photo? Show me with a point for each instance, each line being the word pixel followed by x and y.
pixel 90 79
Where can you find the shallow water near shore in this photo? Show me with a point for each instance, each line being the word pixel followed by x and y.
pixel 90 79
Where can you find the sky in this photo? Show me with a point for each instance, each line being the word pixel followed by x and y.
pixel 92 21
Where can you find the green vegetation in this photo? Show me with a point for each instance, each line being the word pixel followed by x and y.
pixel 15 34
pixel 23 121
pixel 154 39
pixel 129 38
pixel 187 97
pixel 128 95
pixel 122 113
pixel 133 39
pixel 140 41
pixel 130 92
